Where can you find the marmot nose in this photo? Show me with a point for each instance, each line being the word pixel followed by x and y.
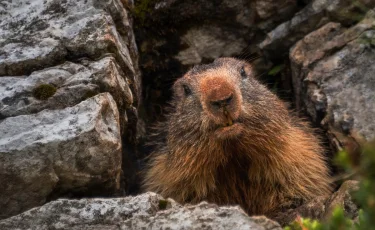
pixel 222 103
pixel 220 99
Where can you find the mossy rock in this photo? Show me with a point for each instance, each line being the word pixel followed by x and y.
pixel 89 94
pixel 163 204
pixel 141 9
pixel 44 91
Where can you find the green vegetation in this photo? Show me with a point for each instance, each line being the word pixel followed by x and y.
pixel 366 40
pixel 276 69
pixel 364 197
pixel 163 204
pixel 44 91
pixel 353 12
pixel 89 94
pixel 141 9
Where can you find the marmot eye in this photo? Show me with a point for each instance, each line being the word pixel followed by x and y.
pixel 187 90
pixel 243 73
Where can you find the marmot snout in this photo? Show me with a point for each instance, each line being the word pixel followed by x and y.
pixel 220 99
pixel 229 140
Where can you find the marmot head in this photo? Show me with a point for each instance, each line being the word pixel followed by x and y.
pixel 222 98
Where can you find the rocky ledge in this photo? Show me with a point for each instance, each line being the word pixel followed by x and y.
pixel 146 211
pixel 151 211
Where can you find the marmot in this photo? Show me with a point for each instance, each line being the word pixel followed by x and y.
pixel 229 140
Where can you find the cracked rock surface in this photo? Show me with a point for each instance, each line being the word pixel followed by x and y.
pixel 69 93
pixel 139 212
pixel 333 75
pixel 73 149
pixel 74 82
pixel 315 15
pixel 40 33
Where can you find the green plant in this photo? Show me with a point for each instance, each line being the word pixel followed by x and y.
pixel 276 69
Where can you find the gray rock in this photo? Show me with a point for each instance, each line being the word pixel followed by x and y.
pixel 139 212
pixel 201 216
pixel 209 42
pixel 73 82
pixel 269 8
pixel 313 209
pixel 37 34
pixel 333 72
pixel 321 208
pixel 73 149
pixel 343 198
pixel 313 16
pixel 95 42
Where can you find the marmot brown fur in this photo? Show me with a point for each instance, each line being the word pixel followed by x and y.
pixel 229 140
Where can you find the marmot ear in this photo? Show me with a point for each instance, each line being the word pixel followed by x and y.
pixel 187 89
pixel 243 72
pixel 181 88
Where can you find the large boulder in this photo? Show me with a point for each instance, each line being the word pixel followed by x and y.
pixel 145 211
pixel 333 71
pixel 54 151
pixel 59 135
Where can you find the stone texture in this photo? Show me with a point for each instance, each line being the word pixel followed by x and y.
pixel 310 18
pixel 209 42
pixel 343 198
pixel 79 48
pixel 333 71
pixel 38 34
pixel 74 82
pixel 140 212
pixel 55 30
pixel 55 151
pixel 269 8
pixel 321 208
pixel 313 209
pixel 201 216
